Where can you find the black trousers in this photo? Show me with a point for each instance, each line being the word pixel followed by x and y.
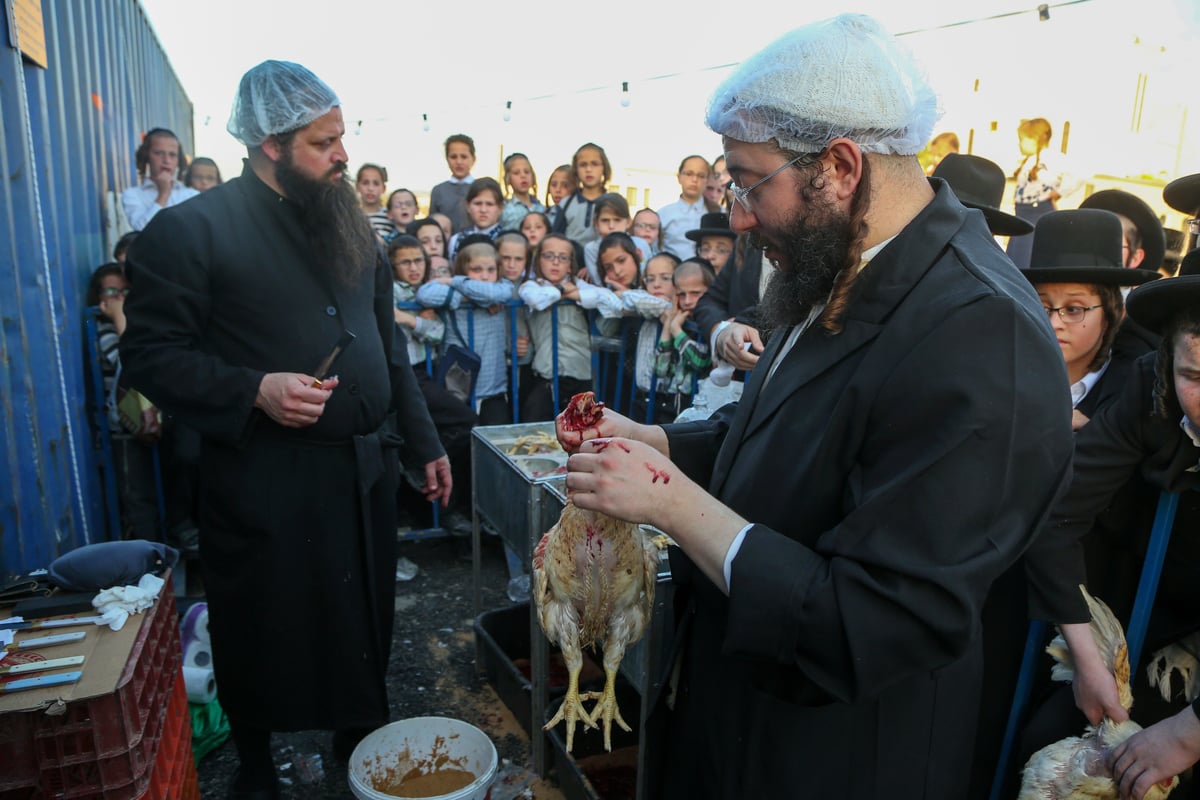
pixel 454 420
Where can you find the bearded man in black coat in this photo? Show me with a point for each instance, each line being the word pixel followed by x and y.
pixel 901 437
pixel 240 299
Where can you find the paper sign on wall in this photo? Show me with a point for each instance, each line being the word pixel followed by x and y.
pixel 26 29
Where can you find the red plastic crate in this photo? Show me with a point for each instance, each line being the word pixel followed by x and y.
pixel 174 751
pixel 18 755
pixel 127 775
pixel 189 788
pixel 102 747
pixel 114 724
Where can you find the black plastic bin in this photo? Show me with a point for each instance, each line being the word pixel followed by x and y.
pixel 502 647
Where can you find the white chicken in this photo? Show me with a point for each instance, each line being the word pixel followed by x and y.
pixel 593 585
pixel 1076 768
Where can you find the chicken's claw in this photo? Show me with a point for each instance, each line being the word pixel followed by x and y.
pixel 606 711
pixel 572 711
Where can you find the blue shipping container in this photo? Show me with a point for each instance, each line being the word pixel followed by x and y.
pixel 67 142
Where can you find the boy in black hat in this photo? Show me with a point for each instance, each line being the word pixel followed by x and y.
pixel 1183 195
pixel 714 240
pixel 1077 270
pixel 1145 244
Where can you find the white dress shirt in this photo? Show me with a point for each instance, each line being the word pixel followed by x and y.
pixel 676 220
pixel 141 202
pixel 1081 387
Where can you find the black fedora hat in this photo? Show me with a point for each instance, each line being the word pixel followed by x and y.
pixel 1153 305
pixel 1081 246
pixel 714 224
pixel 1135 209
pixel 979 183
pixel 1183 195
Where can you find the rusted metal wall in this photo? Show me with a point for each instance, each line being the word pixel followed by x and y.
pixel 68 133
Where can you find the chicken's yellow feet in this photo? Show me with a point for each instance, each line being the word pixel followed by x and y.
pixel 606 709
pixel 571 711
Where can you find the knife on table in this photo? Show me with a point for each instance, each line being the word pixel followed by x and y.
pixel 41 682
pixel 41 666
pixel 44 641
pixel 49 623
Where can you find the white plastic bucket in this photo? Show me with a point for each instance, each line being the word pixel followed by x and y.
pixel 426 743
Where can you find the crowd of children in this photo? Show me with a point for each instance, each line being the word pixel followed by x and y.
pixel 552 295
pixel 554 298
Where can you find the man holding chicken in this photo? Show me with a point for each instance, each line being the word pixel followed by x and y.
pixel 898 443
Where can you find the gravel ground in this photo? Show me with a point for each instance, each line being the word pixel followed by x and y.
pixel 432 673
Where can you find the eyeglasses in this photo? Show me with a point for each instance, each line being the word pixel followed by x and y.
pixel 645 226
pixel 743 195
pixel 714 249
pixel 113 292
pixel 1072 315
pixel 561 258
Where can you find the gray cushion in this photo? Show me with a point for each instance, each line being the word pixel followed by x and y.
pixel 99 566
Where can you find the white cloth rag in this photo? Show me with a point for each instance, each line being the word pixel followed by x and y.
pixel 115 604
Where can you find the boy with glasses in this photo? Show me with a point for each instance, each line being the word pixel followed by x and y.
pixel 714 240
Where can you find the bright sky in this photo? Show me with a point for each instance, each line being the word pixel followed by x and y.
pixel 562 65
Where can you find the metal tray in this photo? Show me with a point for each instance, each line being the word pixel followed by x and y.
pixel 505 487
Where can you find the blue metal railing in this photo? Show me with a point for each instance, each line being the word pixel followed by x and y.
pixel 603 360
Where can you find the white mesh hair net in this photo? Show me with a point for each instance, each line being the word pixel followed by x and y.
pixel 277 97
pixel 844 76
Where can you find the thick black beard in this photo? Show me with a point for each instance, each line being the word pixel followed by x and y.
pixel 338 232
pixel 814 251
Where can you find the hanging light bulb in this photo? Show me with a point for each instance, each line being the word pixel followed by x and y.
pixel 425 122
pixel 508 111
pixel 624 94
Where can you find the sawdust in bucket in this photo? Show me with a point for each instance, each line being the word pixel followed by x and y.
pixel 424 757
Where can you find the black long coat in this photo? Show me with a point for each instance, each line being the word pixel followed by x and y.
pixel 297 526
pixel 891 472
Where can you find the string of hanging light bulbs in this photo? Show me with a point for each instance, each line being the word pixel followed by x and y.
pixel 625 99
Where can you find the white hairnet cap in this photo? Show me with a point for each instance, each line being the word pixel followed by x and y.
pixel 844 76
pixel 277 97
